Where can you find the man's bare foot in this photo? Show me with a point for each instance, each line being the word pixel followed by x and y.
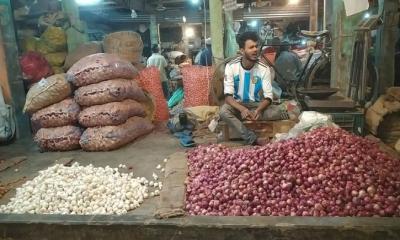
pixel 261 141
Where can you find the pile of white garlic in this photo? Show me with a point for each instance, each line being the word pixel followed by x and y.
pixel 81 190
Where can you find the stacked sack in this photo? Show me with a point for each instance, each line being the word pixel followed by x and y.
pixel 128 45
pixel 196 85
pixel 150 80
pixel 53 45
pixel 54 114
pixel 111 102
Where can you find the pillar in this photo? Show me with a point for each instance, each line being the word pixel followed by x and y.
pixel 217 32
pixel 313 15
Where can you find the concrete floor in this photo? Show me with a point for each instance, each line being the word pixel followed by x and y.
pixel 143 156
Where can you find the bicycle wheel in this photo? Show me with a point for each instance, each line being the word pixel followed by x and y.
pixel 319 74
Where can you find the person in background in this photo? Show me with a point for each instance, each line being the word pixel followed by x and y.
pixel 206 54
pixel 198 55
pixel 158 60
pixel 287 64
pixel 245 78
pixel 175 74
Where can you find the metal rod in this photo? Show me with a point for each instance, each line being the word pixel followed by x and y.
pixel 364 69
pixel 205 19
pixel 324 25
pixel 307 81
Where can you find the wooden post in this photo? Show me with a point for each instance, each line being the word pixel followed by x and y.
pixel 10 74
pixel 185 39
pixel 385 44
pixel 342 47
pixel 217 30
pixel 313 15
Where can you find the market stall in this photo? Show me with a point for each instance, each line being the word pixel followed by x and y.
pixel 119 138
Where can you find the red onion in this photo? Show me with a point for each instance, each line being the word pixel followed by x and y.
pixel 325 172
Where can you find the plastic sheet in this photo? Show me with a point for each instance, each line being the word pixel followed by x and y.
pixel 308 121
pixel 34 66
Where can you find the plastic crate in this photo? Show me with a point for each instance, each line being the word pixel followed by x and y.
pixel 351 121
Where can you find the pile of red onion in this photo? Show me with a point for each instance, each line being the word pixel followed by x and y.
pixel 325 172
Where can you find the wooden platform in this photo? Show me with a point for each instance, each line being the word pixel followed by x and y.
pixel 264 129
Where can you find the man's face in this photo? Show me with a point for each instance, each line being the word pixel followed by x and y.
pixel 250 50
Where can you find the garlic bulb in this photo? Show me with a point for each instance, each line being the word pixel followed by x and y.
pixel 79 190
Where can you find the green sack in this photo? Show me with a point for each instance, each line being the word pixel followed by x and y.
pixel 177 96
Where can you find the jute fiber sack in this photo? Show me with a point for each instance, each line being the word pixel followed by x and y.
pixel 114 90
pixel 55 38
pixel 47 92
pixel 56 59
pixel 99 67
pixel 110 114
pixel 127 45
pixel 58 139
pixel 113 137
pixel 57 115
pixel 82 51
pixel 58 70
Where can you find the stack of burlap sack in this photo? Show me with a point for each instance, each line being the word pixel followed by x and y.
pixel 383 117
pixel 104 114
pixel 110 99
pixel 54 114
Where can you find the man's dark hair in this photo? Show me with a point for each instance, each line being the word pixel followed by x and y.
pixel 180 59
pixel 155 48
pixel 247 36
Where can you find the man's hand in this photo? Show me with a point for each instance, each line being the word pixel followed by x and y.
pixel 247 114
pixel 257 114
pixel 261 108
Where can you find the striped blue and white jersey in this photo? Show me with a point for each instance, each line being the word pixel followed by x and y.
pixel 245 85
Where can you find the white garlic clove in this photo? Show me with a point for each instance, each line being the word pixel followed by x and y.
pixel 155 177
